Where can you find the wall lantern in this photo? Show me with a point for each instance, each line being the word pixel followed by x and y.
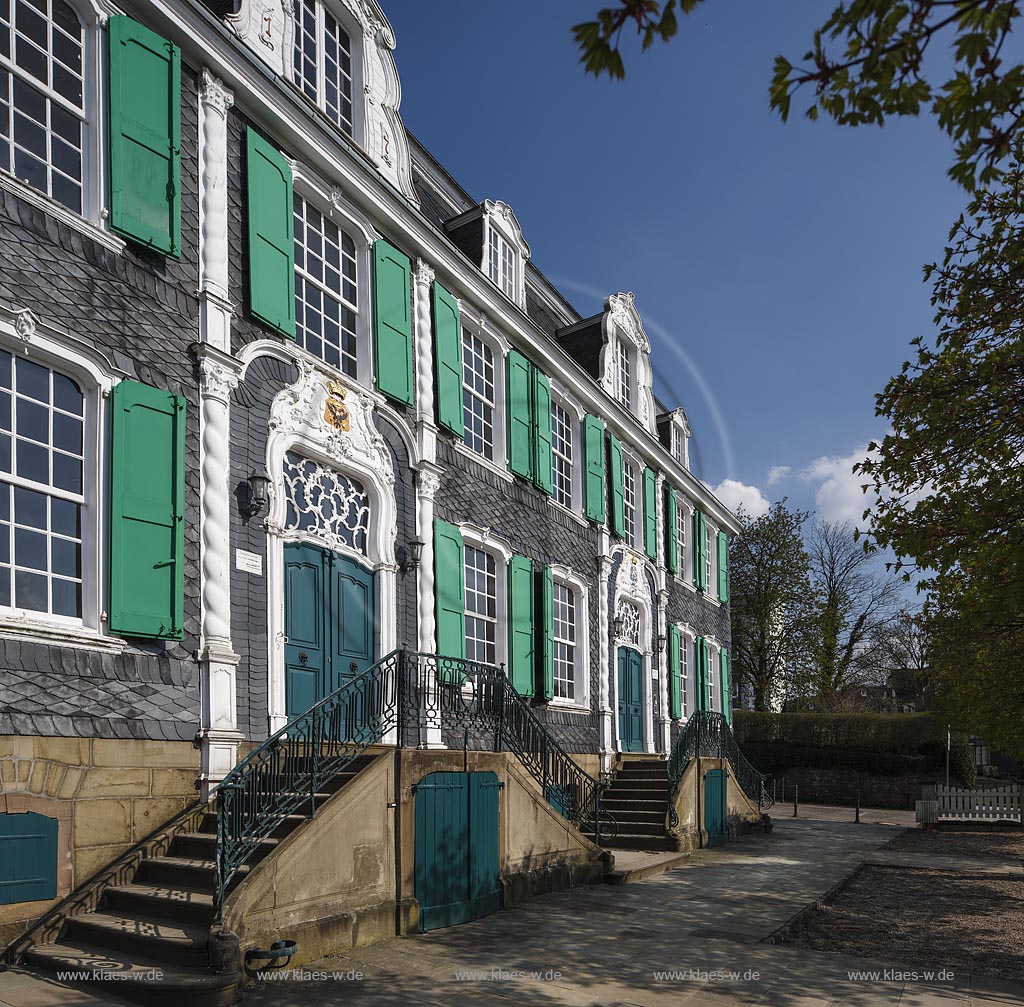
pixel 409 556
pixel 259 489
pixel 619 625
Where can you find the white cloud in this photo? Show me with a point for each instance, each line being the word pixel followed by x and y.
pixel 839 496
pixel 736 494
pixel 777 473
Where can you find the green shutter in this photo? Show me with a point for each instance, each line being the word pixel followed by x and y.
pixel 520 415
pixel 672 557
pixel 699 652
pixel 271 235
pixel 723 566
pixel 542 478
pixel 147 512
pixel 392 326
pixel 547 629
pixel 699 547
pixel 618 498
pixel 449 593
pixel 650 513
pixel 28 858
pixel 593 452
pixel 145 136
pixel 723 678
pixel 448 360
pixel 521 642
pixel 675 678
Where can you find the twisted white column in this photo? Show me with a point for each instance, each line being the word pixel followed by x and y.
pixel 426 432
pixel 215 310
pixel 428 481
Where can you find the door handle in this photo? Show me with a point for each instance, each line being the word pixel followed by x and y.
pixel 303 657
pixel 353 666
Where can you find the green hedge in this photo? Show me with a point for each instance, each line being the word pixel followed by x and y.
pixel 877 732
pixel 887 744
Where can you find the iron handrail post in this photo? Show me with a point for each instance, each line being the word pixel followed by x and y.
pixel 400 694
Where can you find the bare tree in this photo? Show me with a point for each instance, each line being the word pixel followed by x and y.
pixel 899 657
pixel 852 598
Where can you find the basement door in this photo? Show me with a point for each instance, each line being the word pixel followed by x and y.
pixel 631 700
pixel 714 806
pixel 328 623
pixel 457 870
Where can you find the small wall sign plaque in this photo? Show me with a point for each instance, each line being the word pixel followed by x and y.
pixel 249 562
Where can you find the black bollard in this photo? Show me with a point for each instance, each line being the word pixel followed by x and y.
pixel 857 818
pixel 796 799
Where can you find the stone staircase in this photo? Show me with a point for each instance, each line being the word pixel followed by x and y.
pixel 160 923
pixel 638 800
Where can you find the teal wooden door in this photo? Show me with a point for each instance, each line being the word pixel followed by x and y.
pixel 28 858
pixel 457 868
pixel 714 806
pixel 305 627
pixel 329 621
pixel 631 704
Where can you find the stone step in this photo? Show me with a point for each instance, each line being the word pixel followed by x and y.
pixel 630 841
pixel 203 845
pixel 190 905
pixel 136 977
pixel 630 866
pixel 170 941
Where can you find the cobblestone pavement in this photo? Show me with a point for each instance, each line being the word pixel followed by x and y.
pixel 691 937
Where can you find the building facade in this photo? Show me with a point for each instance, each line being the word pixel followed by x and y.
pixel 277 398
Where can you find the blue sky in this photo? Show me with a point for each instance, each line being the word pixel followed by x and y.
pixel 777 267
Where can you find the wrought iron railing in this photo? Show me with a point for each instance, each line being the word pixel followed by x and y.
pixel 409 693
pixel 709 734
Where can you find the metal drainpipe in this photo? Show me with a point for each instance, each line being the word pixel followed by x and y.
pixel 700 819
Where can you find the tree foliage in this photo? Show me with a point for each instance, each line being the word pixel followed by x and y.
pixel 769 588
pixel 950 474
pixel 870 60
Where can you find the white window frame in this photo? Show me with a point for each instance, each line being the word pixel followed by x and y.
pixel 499 220
pixel 711 564
pixel 567 578
pixel 573 461
pixel 684 532
pixel 714 698
pixel 630 503
pixel 501 552
pixel 686 673
pixel 625 375
pixel 92 219
pixel 357 55
pixel 499 349
pixel 308 185
pixel 96 377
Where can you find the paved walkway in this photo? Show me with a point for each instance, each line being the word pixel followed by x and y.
pixel 839 813
pixel 691 937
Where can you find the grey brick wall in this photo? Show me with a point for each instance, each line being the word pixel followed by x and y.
pixel 140 308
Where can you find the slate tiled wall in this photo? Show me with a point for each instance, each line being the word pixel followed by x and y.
pixel 525 518
pixel 141 310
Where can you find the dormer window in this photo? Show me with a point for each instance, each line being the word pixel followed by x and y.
pixel 322 62
pixel 624 377
pixel 502 263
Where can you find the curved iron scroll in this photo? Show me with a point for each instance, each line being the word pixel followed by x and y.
pixel 709 734
pixel 408 692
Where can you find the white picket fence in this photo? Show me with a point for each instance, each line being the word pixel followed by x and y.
pixel 991 804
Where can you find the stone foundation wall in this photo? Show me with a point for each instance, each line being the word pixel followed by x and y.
pixel 841 786
pixel 105 794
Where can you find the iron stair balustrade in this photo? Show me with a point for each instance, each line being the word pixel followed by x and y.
pixel 280 776
pixel 708 734
pixel 455 693
pixel 401 691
